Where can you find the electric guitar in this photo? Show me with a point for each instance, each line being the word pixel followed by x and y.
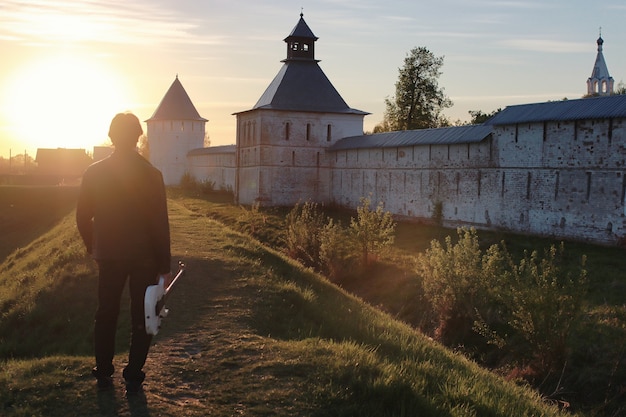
pixel 154 301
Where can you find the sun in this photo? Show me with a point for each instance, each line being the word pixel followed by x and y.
pixel 64 102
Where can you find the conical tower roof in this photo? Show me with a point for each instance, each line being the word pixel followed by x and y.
pixel 600 70
pixel 301 85
pixel 301 30
pixel 176 105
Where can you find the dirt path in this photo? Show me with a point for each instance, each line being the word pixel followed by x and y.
pixel 207 360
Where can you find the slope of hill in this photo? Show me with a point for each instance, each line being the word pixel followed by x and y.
pixel 249 333
pixel 27 212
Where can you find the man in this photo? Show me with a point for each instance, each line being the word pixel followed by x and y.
pixel 122 218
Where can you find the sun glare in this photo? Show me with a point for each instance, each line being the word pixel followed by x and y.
pixel 63 102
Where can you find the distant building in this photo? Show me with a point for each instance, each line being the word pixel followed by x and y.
pixel 66 164
pixel 553 169
pixel 101 152
pixel 600 82
pixel 174 129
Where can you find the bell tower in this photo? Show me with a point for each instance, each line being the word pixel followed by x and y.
pixel 301 42
pixel 282 141
pixel 600 83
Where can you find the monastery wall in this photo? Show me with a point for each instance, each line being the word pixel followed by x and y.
pixel 215 165
pixel 565 180
pixel 559 179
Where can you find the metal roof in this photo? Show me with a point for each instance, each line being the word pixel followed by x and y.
pixel 213 150
pixel 587 108
pixel 176 105
pixel 302 30
pixel 600 70
pixel 439 136
pixel 303 86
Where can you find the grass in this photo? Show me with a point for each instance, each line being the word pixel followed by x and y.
pixel 593 377
pixel 250 332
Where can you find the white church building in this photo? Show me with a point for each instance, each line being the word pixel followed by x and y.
pixel 552 169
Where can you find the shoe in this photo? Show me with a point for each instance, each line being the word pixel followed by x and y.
pixel 134 387
pixel 134 381
pixel 105 383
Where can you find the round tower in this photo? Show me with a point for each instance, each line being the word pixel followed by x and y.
pixel 174 129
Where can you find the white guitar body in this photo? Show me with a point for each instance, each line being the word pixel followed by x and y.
pixel 154 302
pixel 154 294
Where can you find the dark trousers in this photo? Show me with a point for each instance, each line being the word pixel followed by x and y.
pixel 111 281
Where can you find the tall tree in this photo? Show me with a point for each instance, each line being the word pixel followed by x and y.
pixel 419 101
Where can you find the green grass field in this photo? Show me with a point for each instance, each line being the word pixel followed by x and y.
pixel 251 332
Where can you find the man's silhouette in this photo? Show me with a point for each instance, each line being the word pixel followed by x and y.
pixel 122 218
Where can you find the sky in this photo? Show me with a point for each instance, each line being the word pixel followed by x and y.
pixel 68 66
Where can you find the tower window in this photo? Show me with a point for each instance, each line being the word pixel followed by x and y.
pixel 328 133
pixel 287 129
pixel 308 131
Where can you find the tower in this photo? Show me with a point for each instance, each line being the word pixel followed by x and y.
pixel 281 141
pixel 174 129
pixel 600 82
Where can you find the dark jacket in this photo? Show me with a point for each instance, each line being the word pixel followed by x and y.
pixel 122 211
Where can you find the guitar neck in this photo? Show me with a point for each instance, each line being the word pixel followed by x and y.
pixel 161 302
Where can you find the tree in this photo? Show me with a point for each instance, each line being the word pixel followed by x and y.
pixel 478 117
pixel 419 100
pixel 144 147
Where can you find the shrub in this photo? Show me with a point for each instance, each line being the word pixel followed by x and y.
pixel 527 308
pixel 188 181
pixel 304 226
pixel 454 283
pixel 372 230
pixel 252 220
pixel 336 250
pixel 545 303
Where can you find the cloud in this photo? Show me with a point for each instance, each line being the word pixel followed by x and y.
pixel 545 45
pixel 109 21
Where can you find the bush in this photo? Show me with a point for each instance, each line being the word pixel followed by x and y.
pixel 454 283
pixel 544 304
pixel 319 242
pixel 372 230
pixel 188 181
pixel 304 226
pixel 336 251
pixel 527 308
pixel 252 221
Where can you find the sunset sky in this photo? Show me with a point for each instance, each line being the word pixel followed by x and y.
pixel 67 66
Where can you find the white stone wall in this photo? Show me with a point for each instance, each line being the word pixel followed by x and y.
pixel 566 180
pixel 169 142
pixel 215 167
pixel 282 155
pixel 560 179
